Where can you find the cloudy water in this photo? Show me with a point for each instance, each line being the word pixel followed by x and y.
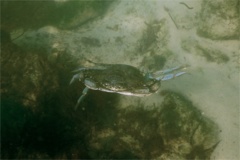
pixel 129 79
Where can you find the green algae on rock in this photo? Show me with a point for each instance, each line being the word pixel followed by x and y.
pixel 177 130
pixel 219 19
pixel 185 131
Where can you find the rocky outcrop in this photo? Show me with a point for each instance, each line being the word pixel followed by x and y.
pixel 219 19
pixel 177 131
pixel 25 74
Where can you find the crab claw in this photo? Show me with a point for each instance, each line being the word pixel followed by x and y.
pixel 170 76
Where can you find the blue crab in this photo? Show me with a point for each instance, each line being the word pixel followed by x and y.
pixel 122 79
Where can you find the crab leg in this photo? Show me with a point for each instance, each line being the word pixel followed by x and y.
pixel 169 70
pixel 84 93
pixel 161 75
pixel 74 78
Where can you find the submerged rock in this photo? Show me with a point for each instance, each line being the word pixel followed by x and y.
pixel 219 19
pixel 25 74
pixel 177 131
pixel 186 132
pixel 35 96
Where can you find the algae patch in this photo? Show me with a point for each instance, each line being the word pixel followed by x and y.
pixel 175 129
pixel 209 53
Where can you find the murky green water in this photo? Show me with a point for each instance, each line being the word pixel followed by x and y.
pixel 43 42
